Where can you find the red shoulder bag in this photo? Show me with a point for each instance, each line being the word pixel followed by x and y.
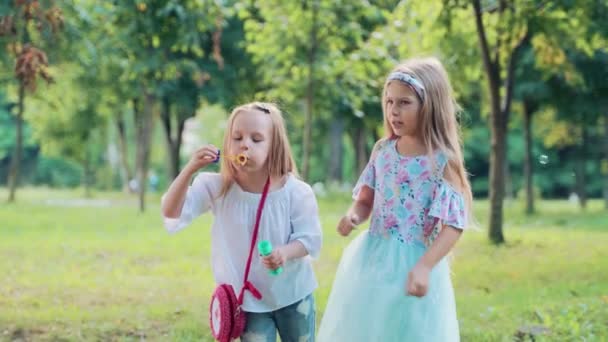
pixel 226 319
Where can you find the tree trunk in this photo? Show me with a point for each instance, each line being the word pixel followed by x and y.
pixel 604 165
pixel 499 115
pixel 125 171
pixel 375 135
pixel 144 125
pixel 361 156
pixel 508 179
pixel 497 180
pixel 307 139
pixel 86 172
pixel 528 165
pixel 336 149
pixel 498 153
pixel 165 115
pixel 177 145
pixel 498 140
pixel 173 138
pixel 13 174
pixel 579 171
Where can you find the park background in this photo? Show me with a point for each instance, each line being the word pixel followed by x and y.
pixel 102 103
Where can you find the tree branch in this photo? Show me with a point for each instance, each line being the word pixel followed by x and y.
pixel 165 115
pixel 500 31
pixel 510 79
pixel 483 42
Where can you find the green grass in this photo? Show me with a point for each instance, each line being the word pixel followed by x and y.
pixel 101 271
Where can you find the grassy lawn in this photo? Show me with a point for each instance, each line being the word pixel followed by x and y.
pixel 98 270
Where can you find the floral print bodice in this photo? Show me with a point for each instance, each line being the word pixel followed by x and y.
pixel 412 200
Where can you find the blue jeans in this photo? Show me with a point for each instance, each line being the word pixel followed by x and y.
pixel 295 323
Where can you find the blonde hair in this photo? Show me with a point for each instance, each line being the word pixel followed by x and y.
pixel 437 123
pixel 280 159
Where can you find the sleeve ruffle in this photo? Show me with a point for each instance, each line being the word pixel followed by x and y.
pixel 447 208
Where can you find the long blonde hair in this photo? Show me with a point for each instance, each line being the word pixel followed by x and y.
pixel 280 159
pixel 437 121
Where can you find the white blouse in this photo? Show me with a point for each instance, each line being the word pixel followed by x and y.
pixel 290 213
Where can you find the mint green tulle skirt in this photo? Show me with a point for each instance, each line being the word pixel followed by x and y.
pixel 368 301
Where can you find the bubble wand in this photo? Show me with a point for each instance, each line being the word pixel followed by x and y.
pixel 240 158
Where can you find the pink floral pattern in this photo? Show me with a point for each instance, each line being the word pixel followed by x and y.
pixel 412 200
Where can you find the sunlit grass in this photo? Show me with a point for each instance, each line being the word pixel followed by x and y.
pixel 99 270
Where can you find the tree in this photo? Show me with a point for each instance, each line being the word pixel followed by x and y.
pixel 20 24
pixel 66 119
pixel 197 32
pixel 292 56
pixel 503 29
pixel 158 47
pixel 7 137
pixel 595 73
pixel 500 105
pixel 316 69
pixel 581 103
pixel 533 93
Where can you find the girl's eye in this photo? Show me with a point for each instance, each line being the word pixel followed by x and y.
pixel 404 102
pixel 389 101
pixel 238 138
pixel 257 140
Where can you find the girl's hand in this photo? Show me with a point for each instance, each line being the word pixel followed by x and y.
pixel 418 281
pixel 275 260
pixel 202 157
pixel 347 224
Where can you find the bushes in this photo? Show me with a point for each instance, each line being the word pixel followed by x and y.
pixel 57 172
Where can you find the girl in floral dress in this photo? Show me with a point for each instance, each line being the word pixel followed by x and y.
pixel 393 282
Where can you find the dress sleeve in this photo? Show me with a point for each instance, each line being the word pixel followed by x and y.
pixel 448 207
pixel 305 222
pixel 199 199
pixel 368 176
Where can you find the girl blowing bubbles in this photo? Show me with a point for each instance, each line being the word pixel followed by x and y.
pixel 256 135
pixel 393 282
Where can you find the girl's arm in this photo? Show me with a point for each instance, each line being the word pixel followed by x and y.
pixel 280 255
pixel 173 201
pixel 418 278
pixel 358 212
pixel 364 203
pixel 306 235
pixel 446 239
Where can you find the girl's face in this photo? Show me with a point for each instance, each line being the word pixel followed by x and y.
pixel 252 136
pixel 402 108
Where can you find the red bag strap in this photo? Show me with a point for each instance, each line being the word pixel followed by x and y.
pixel 246 284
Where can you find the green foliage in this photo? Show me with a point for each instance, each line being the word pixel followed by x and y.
pixel 7 129
pixel 65 117
pixel 200 53
pixel 57 172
